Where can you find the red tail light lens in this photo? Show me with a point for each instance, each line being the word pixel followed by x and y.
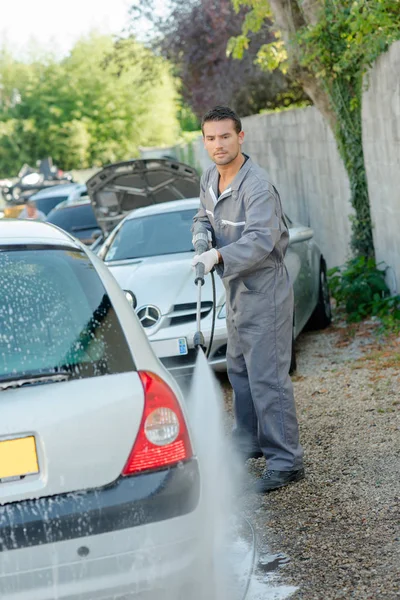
pixel 163 438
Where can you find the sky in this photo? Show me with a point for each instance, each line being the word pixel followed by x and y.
pixel 57 24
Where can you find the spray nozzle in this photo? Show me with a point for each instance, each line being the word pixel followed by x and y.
pixel 198 341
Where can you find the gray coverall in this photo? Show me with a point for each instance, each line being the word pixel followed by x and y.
pixel 250 233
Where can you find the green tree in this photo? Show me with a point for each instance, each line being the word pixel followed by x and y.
pixel 97 105
pixel 193 35
pixel 327 46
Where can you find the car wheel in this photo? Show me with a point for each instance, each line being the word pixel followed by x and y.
pixel 322 315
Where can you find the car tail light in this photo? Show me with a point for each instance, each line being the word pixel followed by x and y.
pixel 163 438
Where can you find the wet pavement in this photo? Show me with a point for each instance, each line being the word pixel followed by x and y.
pixel 255 572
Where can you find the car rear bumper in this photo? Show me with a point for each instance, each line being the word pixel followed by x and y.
pixel 120 565
pixel 121 541
pixel 128 502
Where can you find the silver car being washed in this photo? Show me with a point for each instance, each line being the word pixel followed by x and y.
pixel 100 489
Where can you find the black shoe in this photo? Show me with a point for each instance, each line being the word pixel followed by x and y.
pixel 272 480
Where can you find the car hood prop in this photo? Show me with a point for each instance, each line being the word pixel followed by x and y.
pixel 122 187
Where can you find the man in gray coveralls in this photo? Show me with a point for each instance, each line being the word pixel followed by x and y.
pixel 243 212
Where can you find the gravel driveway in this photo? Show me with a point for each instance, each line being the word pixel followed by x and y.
pixel 340 526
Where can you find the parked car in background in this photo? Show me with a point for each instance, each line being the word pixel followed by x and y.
pixel 150 253
pixel 49 198
pixel 77 218
pixel 100 488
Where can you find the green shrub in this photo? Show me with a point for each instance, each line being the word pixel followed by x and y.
pixel 360 290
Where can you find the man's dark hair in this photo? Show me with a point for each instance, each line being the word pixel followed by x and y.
pixel 221 113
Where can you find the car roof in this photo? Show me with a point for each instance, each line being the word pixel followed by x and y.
pixel 78 204
pixel 20 231
pixel 61 189
pixel 173 206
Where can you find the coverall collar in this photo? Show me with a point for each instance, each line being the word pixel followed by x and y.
pixel 240 175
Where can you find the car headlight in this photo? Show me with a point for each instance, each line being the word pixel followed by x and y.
pixel 222 312
pixel 131 299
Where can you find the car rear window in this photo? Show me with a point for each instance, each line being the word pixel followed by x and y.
pixel 47 204
pixel 73 218
pixel 55 314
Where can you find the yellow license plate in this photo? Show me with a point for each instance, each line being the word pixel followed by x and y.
pixel 18 457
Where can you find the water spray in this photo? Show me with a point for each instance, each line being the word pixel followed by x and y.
pixel 201 239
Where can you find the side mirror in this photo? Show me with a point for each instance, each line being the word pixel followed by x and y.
pixel 300 234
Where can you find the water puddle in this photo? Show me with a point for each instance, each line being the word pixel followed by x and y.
pixel 254 575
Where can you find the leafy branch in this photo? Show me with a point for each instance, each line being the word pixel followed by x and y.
pixel 328 46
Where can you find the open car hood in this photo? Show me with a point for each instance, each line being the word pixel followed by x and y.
pixel 122 187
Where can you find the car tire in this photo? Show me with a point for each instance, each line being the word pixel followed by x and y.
pixel 322 315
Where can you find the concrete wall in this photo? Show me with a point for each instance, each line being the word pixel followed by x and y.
pixel 381 142
pixel 298 150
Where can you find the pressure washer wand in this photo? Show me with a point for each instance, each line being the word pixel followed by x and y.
pixel 200 242
pixel 198 339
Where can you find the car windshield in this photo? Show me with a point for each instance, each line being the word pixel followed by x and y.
pixel 56 316
pixel 153 235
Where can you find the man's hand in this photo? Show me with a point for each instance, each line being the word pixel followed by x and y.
pixel 209 259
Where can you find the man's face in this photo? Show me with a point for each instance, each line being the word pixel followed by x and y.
pixel 30 210
pixel 221 141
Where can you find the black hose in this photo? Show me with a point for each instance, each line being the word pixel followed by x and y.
pixel 253 557
pixel 214 301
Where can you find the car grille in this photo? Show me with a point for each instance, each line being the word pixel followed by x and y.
pixel 186 313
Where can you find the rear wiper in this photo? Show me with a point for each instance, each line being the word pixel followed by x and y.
pixel 38 378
